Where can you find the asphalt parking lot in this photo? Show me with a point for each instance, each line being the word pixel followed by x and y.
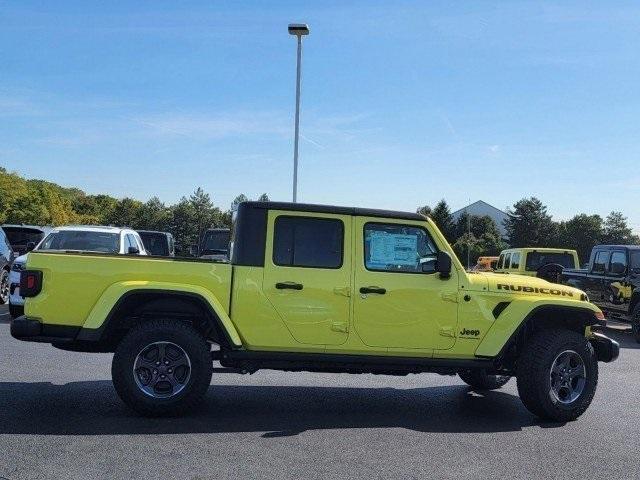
pixel 60 418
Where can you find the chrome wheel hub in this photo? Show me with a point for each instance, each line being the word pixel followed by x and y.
pixel 568 377
pixel 162 369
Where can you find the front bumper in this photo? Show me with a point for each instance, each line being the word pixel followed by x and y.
pixel 607 349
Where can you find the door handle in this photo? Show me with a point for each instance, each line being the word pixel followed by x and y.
pixel 289 286
pixel 378 290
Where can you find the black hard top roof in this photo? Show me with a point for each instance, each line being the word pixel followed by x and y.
pixel 630 247
pixel 312 208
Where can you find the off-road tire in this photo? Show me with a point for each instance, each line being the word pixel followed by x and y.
pixel 480 380
pixel 4 286
pixel 145 334
pixel 534 368
pixel 635 322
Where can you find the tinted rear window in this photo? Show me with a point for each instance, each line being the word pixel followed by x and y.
pixel 308 242
pixel 105 242
pixel 535 260
pixel 155 243
pixel 634 259
pixel 19 237
pixel 215 242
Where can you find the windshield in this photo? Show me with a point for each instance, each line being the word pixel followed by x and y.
pixel 155 243
pixel 105 242
pixel 535 260
pixel 635 260
pixel 19 237
pixel 215 241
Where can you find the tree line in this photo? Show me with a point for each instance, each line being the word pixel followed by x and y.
pixel 37 202
pixel 529 225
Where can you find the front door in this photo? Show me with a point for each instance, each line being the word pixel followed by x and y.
pixel 307 275
pixel 396 305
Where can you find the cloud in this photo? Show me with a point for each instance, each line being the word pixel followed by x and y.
pixel 494 148
pixel 215 127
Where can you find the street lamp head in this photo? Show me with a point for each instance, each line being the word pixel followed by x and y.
pixel 298 29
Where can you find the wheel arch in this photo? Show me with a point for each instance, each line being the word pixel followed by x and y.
pixel 120 307
pixel 571 317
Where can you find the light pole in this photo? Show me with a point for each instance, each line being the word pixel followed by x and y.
pixel 297 29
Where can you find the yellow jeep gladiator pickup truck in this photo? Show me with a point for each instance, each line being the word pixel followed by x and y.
pixel 316 288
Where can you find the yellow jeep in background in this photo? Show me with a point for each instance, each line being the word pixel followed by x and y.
pixel 316 288
pixel 546 263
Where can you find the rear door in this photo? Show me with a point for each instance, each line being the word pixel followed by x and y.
pixel 396 305
pixel 307 275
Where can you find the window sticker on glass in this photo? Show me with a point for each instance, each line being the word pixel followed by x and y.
pixel 393 249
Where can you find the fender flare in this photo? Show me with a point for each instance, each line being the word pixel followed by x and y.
pixel 518 314
pixel 106 306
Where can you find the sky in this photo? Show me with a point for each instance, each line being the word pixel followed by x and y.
pixel 403 103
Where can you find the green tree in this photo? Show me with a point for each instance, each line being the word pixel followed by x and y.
pixel 126 213
pixel 155 215
pixel 264 198
pixel 581 233
pixel 477 235
pixel 616 231
pixel 529 224
pixel 424 210
pixel 441 215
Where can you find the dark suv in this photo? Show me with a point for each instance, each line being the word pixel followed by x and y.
pixel 6 259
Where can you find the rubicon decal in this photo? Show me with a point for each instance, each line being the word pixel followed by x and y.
pixel 543 290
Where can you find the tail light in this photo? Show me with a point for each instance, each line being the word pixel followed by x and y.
pixel 30 283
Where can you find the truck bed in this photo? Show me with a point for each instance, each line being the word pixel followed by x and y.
pixel 73 283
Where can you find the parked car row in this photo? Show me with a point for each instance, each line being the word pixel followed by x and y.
pixel 611 278
pixel 17 240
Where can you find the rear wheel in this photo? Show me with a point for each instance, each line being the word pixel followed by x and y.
pixel 557 375
pixel 4 287
pixel 480 380
pixel 162 368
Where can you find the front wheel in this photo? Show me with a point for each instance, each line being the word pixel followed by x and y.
pixel 162 368
pixel 481 380
pixel 557 375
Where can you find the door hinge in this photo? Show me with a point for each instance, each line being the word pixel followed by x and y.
pixel 449 296
pixel 344 291
pixel 447 332
pixel 340 327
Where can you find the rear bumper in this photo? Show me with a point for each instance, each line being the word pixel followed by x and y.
pixel 607 349
pixel 31 330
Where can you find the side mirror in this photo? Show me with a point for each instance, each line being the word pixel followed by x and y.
pixel 133 251
pixel 31 246
pixel 443 265
pixel 193 250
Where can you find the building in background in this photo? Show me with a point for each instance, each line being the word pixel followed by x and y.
pixel 481 208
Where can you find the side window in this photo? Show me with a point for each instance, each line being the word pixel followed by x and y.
pixel 618 263
pixel 308 242
pixel 139 243
pixel 515 260
pixel 129 242
pixel 600 261
pixel 397 248
pixel 507 260
pixel 501 261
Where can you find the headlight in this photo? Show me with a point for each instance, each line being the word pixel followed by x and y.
pixel 17 267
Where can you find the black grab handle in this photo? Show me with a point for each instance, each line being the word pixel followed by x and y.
pixel 378 290
pixel 288 286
